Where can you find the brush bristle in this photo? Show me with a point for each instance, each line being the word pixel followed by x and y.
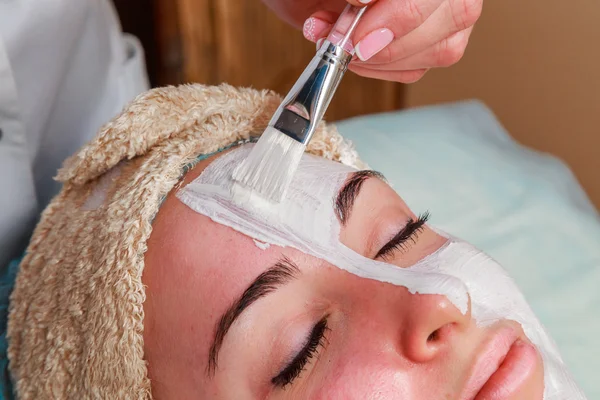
pixel 270 166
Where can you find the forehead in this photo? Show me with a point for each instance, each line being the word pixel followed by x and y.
pixel 316 180
pixel 305 216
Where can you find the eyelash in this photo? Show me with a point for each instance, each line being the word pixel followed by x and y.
pixel 409 232
pixel 309 351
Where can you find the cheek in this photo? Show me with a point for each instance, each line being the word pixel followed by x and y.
pixel 371 377
pixel 365 369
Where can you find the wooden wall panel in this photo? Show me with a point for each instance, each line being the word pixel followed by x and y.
pixel 541 82
pixel 137 17
pixel 198 40
pixel 168 43
pixel 243 43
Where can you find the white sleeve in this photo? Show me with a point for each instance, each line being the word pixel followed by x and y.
pixel 74 70
pixel 106 71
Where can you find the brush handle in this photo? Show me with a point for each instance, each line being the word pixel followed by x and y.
pixel 305 105
pixel 341 33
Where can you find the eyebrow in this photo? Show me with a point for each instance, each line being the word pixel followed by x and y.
pixel 281 273
pixel 349 192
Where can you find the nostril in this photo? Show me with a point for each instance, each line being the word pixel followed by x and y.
pixel 440 334
pixel 434 336
pixel 424 345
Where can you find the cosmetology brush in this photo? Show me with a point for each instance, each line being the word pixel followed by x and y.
pixel 270 166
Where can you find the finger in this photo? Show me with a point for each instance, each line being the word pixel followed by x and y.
pixel 396 17
pixel 451 17
pixel 318 25
pixel 389 19
pixel 400 16
pixel 396 76
pixel 361 2
pixel 445 53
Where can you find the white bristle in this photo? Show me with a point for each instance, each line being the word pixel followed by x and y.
pixel 270 166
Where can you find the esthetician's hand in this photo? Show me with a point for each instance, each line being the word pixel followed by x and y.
pixel 397 40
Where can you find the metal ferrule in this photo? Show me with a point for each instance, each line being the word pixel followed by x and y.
pixel 305 105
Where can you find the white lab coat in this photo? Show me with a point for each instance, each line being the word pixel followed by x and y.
pixel 65 69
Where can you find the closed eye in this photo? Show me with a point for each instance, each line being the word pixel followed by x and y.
pixel 309 351
pixel 407 235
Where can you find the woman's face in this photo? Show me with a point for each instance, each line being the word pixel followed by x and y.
pixel 227 319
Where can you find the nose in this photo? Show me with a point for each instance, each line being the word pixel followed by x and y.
pixel 431 324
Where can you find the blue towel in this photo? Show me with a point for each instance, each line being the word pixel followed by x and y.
pixel 7 282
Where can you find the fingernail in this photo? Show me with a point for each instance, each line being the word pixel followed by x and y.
pixel 365 1
pixel 320 42
pixel 373 43
pixel 314 28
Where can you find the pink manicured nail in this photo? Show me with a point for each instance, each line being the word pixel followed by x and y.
pixel 315 28
pixel 365 1
pixel 373 43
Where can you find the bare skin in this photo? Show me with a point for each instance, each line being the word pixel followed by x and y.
pixel 378 341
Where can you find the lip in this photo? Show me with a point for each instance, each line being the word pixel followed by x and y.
pixel 518 366
pixel 502 367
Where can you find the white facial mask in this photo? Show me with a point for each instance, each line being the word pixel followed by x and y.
pixel 306 221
